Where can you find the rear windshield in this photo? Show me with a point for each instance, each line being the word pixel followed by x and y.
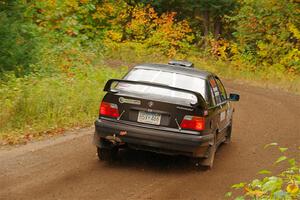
pixel 168 78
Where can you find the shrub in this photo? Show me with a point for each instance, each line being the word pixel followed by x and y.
pixel 35 105
pixel 144 26
pixel 19 44
pixel 267 33
pixel 282 186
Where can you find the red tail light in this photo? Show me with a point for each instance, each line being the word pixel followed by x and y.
pixel 109 109
pixel 193 123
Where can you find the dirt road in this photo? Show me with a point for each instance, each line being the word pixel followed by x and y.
pixel 67 167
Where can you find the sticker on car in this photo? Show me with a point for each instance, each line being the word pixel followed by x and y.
pixel 222 115
pixel 129 101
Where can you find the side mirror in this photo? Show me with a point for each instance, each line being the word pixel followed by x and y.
pixel 234 97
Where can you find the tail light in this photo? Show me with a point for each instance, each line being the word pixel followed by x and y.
pixel 193 123
pixel 109 109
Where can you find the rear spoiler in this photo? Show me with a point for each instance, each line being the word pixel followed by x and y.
pixel 200 99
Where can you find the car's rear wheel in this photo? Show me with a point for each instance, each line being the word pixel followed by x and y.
pixel 107 154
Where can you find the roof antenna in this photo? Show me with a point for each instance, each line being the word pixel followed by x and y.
pixel 181 63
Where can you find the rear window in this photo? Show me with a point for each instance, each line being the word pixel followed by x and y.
pixel 168 78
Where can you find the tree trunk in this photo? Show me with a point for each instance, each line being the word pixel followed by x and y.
pixel 217 27
pixel 206 22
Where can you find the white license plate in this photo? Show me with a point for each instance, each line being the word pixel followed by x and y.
pixel 149 118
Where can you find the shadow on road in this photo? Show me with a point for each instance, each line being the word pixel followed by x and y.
pixel 142 160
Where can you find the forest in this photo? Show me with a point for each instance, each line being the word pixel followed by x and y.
pixel 55 55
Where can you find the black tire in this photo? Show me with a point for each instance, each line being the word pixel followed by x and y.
pixel 107 154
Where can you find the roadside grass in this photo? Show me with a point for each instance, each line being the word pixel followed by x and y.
pixel 265 78
pixel 34 106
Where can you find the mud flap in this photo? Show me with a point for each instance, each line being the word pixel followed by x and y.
pixel 209 161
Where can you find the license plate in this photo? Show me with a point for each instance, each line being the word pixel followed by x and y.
pixel 149 118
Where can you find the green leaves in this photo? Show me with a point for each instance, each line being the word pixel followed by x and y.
pixel 266 27
pixel 280 159
pixel 264 172
pixel 292 162
pixel 285 185
pixel 239 198
pixel 239 185
pixel 228 194
pixel 282 149
pixel 19 44
pixel 271 184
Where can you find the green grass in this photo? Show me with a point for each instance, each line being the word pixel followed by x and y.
pixel 35 105
pixel 265 78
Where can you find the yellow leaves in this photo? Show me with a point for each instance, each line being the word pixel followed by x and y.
pixel 52 3
pixel 104 10
pixel 234 48
pixel 138 26
pixel 220 48
pixel 254 193
pixel 73 4
pixel 263 49
pixel 293 29
pixel 143 21
pixel 113 13
pixel 293 56
pixel 99 14
pixel 292 188
pixel 114 35
pixel 144 25
pixel 145 14
pixel 171 34
pixel 152 13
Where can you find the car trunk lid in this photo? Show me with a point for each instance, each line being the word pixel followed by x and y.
pixel 152 109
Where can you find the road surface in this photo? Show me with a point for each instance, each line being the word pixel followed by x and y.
pixel 67 167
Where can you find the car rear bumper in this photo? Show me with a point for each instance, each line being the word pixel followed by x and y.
pixel 149 139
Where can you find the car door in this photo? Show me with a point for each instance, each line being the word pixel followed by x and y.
pixel 214 108
pixel 224 108
pixel 219 106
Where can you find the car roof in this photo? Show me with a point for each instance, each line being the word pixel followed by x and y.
pixel 190 71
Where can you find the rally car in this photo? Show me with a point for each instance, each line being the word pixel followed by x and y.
pixel 171 109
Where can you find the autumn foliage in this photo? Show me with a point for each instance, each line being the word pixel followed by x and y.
pixel 260 34
pixel 142 24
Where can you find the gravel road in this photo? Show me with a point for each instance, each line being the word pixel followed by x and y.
pixel 66 167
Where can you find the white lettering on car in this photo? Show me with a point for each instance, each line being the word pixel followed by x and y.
pixel 129 101
pixel 183 108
